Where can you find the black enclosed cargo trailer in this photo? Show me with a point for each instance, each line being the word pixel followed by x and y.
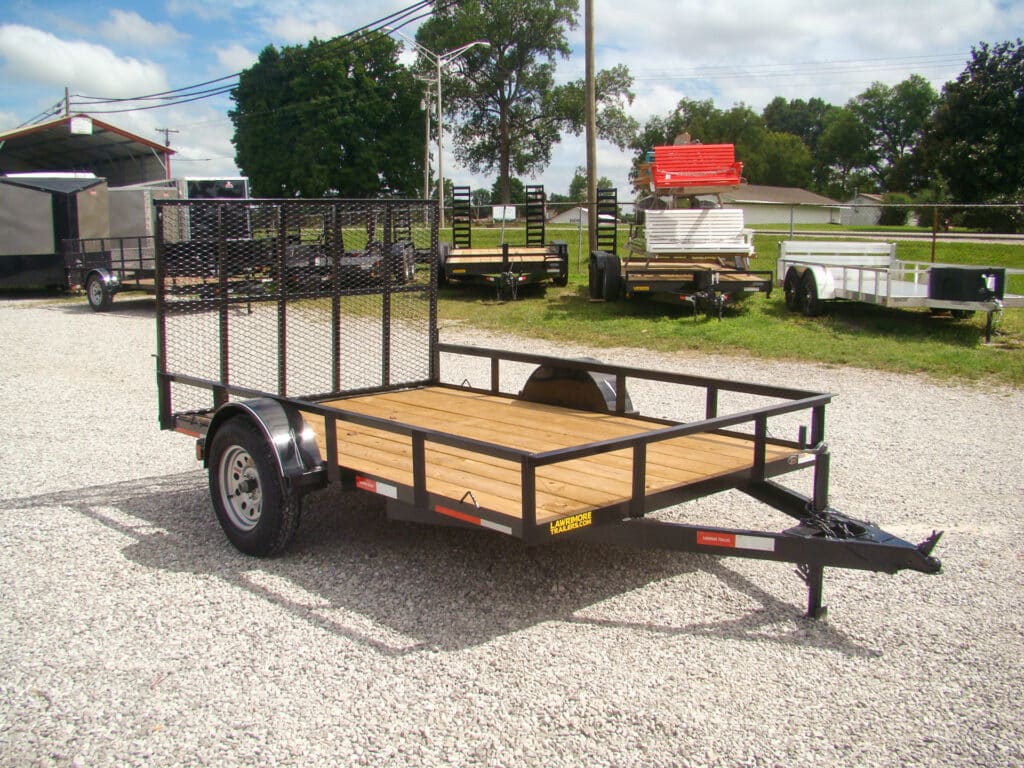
pixel 304 383
pixel 37 214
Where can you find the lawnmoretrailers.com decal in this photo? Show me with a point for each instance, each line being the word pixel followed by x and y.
pixel 567 524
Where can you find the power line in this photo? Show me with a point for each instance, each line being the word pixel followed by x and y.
pixel 187 94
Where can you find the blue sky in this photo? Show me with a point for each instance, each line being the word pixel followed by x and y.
pixel 742 51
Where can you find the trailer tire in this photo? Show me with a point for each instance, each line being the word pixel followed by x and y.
pixel 791 290
pixel 443 250
pixel 612 278
pixel 810 304
pixel 258 513
pixel 99 296
pixel 961 314
pixel 595 281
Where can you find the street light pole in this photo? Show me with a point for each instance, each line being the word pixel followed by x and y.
pixel 440 60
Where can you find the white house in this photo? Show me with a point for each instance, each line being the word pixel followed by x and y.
pixel 781 205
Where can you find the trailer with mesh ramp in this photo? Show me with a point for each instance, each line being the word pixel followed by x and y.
pixel 304 383
pixel 506 268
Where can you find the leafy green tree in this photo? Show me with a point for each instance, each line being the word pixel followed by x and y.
pixel 786 161
pixel 480 197
pixel 578 185
pixel 975 140
pixel 509 113
pixel 516 194
pixel 613 94
pixel 329 118
pixel 896 116
pixel 843 148
pixel 805 119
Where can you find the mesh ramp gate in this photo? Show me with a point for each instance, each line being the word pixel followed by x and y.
pixel 293 298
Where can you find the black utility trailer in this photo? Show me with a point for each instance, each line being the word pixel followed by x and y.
pixel 267 246
pixel 506 268
pixel 298 385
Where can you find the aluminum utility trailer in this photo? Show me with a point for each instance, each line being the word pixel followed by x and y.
pixel 304 384
pixel 812 272
pixel 507 268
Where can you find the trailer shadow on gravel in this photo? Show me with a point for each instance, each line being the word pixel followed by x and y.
pixel 127 304
pixel 400 588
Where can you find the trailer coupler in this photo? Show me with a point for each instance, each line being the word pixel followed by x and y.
pixel 864 546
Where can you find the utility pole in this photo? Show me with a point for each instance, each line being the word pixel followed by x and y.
pixel 591 117
pixel 167 143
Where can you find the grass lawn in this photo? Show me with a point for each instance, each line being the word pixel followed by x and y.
pixel 848 334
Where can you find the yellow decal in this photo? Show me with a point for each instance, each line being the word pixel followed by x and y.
pixel 567 524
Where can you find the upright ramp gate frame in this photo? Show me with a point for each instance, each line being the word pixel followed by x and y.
pixel 306 353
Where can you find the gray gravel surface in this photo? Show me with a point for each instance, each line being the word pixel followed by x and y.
pixel 131 633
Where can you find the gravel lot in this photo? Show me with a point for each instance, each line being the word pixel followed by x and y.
pixel 131 633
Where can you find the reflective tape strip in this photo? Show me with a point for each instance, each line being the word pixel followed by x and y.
pixel 735 541
pixel 375 486
pixel 473 520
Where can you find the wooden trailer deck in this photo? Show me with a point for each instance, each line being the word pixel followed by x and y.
pixel 666 269
pixel 563 489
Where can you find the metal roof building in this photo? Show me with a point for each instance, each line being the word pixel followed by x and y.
pixel 81 143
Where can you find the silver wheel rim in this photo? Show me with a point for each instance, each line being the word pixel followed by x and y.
pixel 240 489
pixel 95 292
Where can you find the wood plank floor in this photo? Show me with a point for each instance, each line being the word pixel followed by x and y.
pixel 562 489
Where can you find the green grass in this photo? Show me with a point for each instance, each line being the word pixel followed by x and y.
pixel 902 340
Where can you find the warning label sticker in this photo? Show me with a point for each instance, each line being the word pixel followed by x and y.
pixel 735 541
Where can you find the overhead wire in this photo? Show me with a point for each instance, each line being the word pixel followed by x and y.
pixel 187 94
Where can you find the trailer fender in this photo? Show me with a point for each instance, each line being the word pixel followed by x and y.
pixel 824 280
pixel 575 387
pixel 100 286
pixel 293 442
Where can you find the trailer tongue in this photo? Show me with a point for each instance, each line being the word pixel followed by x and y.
pixel 292 384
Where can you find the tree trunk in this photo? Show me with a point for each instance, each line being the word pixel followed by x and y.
pixel 505 159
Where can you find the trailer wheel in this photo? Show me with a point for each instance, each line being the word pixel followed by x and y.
pixel 961 314
pixel 258 515
pixel 443 249
pixel 612 278
pixel 810 304
pixel 99 296
pixel 595 282
pixel 791 290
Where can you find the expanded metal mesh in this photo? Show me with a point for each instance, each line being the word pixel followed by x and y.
pixel 301 299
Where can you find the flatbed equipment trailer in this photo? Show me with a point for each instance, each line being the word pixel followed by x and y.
pixel 507 268
pixel 812 272
pixel 344 383
pixel 697 257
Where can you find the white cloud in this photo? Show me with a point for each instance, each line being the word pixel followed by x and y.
pixel 235 58
pixel 128 28
pixel 37 58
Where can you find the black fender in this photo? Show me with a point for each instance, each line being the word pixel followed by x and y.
pixel 575 386
pixel 293 442
pixel 111 280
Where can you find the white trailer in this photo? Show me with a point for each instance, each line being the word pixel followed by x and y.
pixel 815 271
